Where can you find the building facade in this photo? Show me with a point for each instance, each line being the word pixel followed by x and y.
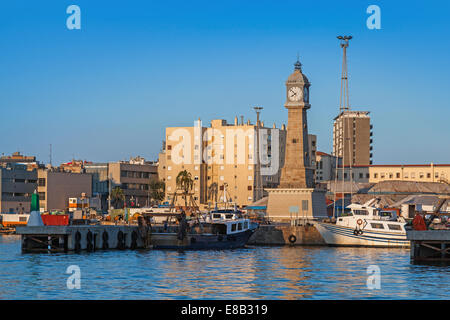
pixel 100 182
pixel 221 159
pixel 17 183
pixel 355 129
pixel 55 187
pixel 410 172
pixel 134 178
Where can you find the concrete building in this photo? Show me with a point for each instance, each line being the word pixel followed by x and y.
pixel 325 167
pixel 100 182
pixel 17 183
pixel 353 127
pixel 359 174
pixel 134 178
pixel 410 172
pixel 221 160
pixel 56 187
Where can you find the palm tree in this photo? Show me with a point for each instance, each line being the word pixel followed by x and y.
pixel 157 190
pixel 117 195
pixel 185 183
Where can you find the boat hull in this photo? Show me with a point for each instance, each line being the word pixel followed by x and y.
pixel 200 241
pixel 335 235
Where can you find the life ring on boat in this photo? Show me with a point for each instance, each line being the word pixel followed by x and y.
pixel 292 238
pixel 359 221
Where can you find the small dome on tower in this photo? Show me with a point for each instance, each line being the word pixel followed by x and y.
pixel 297 76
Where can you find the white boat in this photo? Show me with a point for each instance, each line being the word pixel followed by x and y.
pixel 365 226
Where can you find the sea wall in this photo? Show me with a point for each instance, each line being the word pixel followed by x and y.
pixel 283 234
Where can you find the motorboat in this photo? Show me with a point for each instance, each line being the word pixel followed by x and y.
pixel 365 226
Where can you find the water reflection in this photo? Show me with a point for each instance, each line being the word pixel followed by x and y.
pixel 248 273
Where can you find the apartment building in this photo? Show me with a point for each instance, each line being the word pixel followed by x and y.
pixel 17 183
pixel 355 129
pixel 133 177
pixel 222 160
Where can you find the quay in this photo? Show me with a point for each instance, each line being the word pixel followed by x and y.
pixel 429 245
pixel 286 234
pixel 80 237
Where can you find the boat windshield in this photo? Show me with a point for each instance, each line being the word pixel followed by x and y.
pixel 361 212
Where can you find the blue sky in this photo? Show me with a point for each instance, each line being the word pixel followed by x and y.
pixel 106 92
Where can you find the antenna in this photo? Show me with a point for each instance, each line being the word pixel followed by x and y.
pixel 344 104
pixel 259 192
pixel 50 155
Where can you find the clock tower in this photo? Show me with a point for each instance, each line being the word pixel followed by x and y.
pixel 297 172
pixel 296 197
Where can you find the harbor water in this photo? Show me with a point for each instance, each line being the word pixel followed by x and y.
pixel 254 272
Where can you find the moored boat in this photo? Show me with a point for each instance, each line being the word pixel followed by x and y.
pixel 365 226
pixel 215 230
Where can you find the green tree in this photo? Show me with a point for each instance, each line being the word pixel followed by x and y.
pixel 117 196
pixel 185 183
pixel 157 190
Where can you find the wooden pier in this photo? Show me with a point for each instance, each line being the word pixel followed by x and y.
pixel 429 245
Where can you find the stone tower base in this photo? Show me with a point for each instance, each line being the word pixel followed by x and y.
pixel 285 205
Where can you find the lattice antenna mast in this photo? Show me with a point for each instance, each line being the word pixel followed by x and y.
pixel 259 191
pixel 344 104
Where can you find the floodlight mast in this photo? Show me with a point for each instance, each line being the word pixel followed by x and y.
pixel 344 104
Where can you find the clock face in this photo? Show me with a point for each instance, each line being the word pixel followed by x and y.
pixel 295 94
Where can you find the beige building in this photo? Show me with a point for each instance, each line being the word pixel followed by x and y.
pixel 56 187
pixel 325 167
pixel 134 178
pixel 353 127
pixel 410 172
pixel 16 186
pixel 221 160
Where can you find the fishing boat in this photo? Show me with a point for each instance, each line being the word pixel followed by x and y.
pixel 218 229
pixel 364 226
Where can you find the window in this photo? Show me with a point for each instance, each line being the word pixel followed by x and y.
pixel 249 188
pixel 246 225
pixel 377 225
pixel 196 178
pixel 41 195
pixel 420 175
pixel 240 226
pixel 361 212
pixel 413 175
pixel 250 178
pixel 394 227
pixel 397 175
pixel 375 175
pixel 428 175
pixel 41 182
pixel 169 147
pixel 233 227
